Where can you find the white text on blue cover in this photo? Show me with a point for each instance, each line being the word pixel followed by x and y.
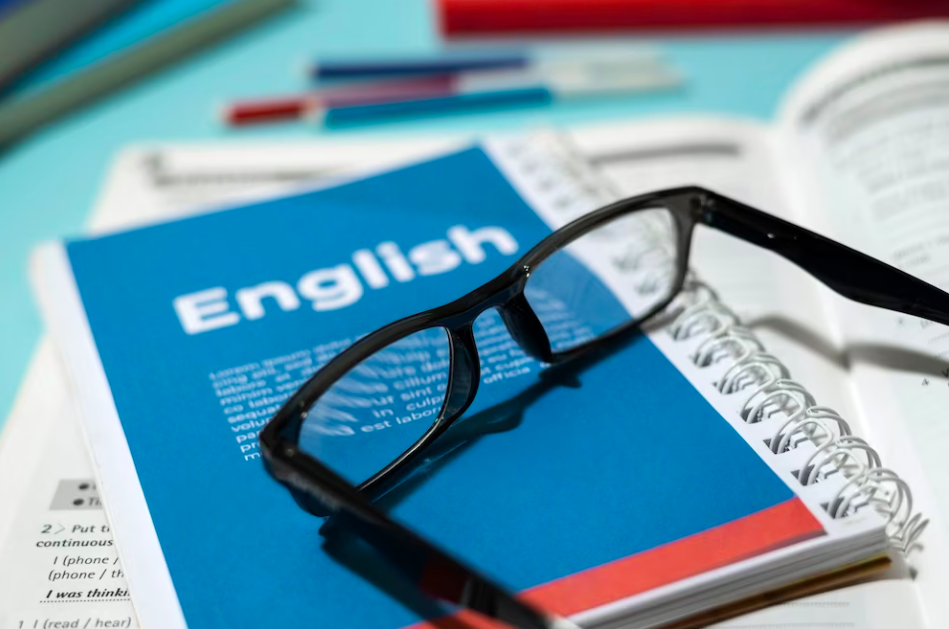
pixel 342 285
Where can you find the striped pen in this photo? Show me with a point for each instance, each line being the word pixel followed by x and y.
pixel 363 102
pixel 451 62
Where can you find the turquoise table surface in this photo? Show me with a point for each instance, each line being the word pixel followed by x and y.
pixel 49 183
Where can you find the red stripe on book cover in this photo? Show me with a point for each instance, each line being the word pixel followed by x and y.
pixel 775 527
pixel 461 17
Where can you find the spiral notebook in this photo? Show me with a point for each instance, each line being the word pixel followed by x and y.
pixel 615 517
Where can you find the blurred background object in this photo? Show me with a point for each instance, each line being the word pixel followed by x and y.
pixel 460 18
pixel 32 30
pixel 150 36
pixel 360 90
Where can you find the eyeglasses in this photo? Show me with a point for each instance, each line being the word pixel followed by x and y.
pixel 409 381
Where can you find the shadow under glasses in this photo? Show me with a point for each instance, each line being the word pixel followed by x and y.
pixel 351 551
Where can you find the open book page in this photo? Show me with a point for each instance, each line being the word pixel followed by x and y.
pixel 59 561
pixel 41 397
pixel 163 182
pixel 888 604
pixel 144 202
pixel 867 135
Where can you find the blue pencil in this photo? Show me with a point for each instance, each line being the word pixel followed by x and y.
pixel 415 66
pixel 537 95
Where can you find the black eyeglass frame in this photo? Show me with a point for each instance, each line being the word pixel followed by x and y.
pixel 321 491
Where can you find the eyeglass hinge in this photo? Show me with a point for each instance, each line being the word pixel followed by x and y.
pixel 704 208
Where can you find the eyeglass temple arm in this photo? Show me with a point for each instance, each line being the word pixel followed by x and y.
pixel 850 273
pixel 433 572
pixel 440 577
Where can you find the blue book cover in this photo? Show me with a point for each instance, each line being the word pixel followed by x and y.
pixel 579 494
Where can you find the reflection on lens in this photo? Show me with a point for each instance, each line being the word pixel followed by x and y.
pixel 381 407
pixel 614 274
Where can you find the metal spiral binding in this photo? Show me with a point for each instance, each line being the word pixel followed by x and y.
pixel 769 393
pixel 560 173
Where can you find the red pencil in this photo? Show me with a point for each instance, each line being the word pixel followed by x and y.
pixel 301 106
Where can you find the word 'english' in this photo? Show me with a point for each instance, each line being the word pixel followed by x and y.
pixel 342 285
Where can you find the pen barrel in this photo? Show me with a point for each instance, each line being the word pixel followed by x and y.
pixel 516 97
pixel 296 107
pixel 271 110
pixel 332 70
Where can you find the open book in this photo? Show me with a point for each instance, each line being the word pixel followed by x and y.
pixel 789 169
pixel 634 531
pixel 860 153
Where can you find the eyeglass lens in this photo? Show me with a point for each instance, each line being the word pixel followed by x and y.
pixel 635 256
pixel 607 277
pixel 381 407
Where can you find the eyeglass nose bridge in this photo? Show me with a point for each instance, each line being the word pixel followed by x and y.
pixel 522 324
pixel 525 327
pixel 465 372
